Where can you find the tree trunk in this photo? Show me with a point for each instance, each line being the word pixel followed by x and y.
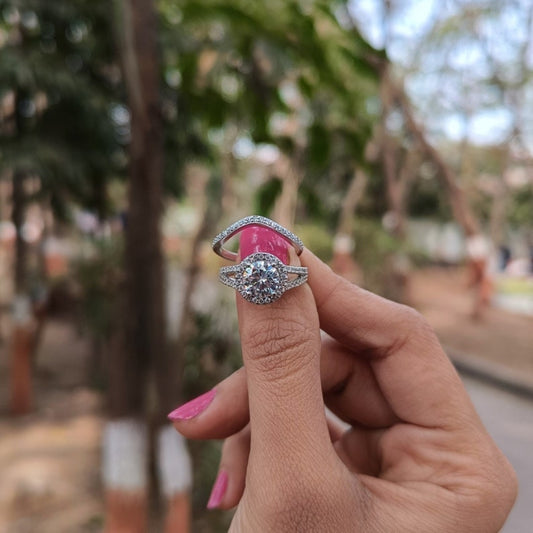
pixel 143 322
pixel 228 171
pixel 21 247
pixel 343 262
pixel 209 211
pixel 389 153
pixel 22 320
pixel 354 195
pixel 140 348
pixel 458 200
pixel 399 176
pixel 460 207
pixel 284 211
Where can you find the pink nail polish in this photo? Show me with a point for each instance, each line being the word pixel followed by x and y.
pixel 259 239
pixel 193 408
pixel 218 491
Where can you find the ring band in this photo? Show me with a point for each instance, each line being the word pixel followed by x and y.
pixel 254 220
pixel 262 278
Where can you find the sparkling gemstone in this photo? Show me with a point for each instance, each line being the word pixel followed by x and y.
pixel 261 280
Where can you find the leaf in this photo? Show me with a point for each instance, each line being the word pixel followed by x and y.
pixel 266 196
pixel 319 146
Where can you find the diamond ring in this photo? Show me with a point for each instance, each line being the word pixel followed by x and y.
pixel 254 220
pixel 262 278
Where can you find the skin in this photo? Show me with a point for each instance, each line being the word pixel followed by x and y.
pixel 415 456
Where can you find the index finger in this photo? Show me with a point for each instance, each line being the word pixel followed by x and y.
pixel 414 374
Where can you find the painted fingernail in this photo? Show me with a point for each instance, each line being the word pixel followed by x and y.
pixel 259 239
pixel 218 491
pixel 193 408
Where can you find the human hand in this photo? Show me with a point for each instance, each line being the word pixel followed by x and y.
pixel 416 456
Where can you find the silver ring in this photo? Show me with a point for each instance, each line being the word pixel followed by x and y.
pixel 262 278
pixel 254 220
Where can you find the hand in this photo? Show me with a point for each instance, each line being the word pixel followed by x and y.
pixel 416 457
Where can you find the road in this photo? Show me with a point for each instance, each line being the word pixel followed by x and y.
pixel 509 419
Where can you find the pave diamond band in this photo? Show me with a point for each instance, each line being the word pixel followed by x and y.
pixel 262 278
pixel 254 220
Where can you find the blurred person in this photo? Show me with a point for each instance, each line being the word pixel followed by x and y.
pixel 505 256
pixel 477 253
pixel 415 455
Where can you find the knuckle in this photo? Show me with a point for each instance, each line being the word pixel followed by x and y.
pixel 511 484
pixel 414 326
pixel 502 487
pixel 495 492
pixel 414 320
pixel 276 343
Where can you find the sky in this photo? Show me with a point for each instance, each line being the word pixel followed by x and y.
pixel 490 121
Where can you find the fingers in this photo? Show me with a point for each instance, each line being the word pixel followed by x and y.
pixel 415 376
pixel 281 353
pixel 336 429
pixel 225 414
pixel 349 387
pixel 361 320
pixel 359 448
pixel 231 478
pixel 229 485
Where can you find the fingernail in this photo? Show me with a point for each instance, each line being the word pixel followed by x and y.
pixel 218 490
pixel 193 408
pixel 259 239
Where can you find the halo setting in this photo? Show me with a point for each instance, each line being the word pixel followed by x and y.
pixel 261 278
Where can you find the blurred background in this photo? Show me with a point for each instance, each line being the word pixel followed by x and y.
pixel 395 137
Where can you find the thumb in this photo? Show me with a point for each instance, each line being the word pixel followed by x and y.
pixel 281 352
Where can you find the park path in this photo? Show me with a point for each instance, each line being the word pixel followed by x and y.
pixel 509 419
pixel 443 297
pixel 50 458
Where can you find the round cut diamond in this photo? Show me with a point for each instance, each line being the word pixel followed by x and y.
pixel 262 278
pixel 261 281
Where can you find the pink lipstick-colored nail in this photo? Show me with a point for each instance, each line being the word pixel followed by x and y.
pixel 193 408
pixel 259 239
pixel 218 491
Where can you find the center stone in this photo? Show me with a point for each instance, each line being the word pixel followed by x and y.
pixel 260 280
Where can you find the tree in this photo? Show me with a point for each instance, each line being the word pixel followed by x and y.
pixel 141 347
pixel 51 75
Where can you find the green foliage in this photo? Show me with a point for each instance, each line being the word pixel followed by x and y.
pixel 266 195
pixel 521 211
pixel 372 245
pixel 223 65
pixel 99 276
pixel 212 354
pixel 377 253
pixel 243 63
pixel 317 238
pixel 54 64
pixel 426 199
pixel 319 149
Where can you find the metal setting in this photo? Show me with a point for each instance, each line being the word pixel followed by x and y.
pixel 262 278
pixel 254 220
